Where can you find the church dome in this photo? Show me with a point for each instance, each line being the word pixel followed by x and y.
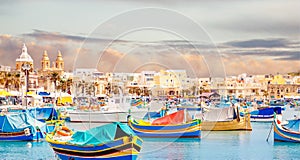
pixel 24 57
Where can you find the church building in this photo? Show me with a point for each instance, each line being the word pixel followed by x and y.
pixel 24 64
pixel 48 73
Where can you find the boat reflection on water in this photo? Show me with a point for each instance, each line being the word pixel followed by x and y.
pixel 170 148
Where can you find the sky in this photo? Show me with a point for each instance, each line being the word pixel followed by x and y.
pixel 207 38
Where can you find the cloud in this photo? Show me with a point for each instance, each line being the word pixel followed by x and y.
pixel 57 36
pixel 276 49
pixel 249 64
pixel 259 43
pixel 255 58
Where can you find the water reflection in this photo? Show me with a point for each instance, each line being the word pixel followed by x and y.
pixel 24 150
pixel 286 150
pixel 170 148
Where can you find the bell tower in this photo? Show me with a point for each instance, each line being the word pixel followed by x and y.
pixel 59 63
pixel 45 61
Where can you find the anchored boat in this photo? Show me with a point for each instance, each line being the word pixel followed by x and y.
pixel 111 141
pixel 289 132
pixel 175 125
pixel 117 110
pixel 224 119
pixel 21 127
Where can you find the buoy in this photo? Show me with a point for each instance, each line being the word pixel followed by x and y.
pixel 29 145
pixel 65 128
pixel 63 133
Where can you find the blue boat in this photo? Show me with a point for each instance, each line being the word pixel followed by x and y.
pixel 287 133
pixel 169 126
pixel 47 115
pixel 41 114
pixel 264 114
pixel 21 127
pixel 111 141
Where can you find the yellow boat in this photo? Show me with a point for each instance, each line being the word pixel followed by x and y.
pixel 243 123
pixel 225 119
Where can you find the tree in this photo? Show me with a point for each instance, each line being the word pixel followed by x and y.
pixel 17 81
pixel 54 79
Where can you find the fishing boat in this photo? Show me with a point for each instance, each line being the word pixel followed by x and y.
pixel 289 132
pixel 47 115
pixel 21 127
pixel 116 110
pixel 175 125
pixel 224 119
pixel 110 141
pixel 264 114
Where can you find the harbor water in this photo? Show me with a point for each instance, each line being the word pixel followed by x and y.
pixel 213 145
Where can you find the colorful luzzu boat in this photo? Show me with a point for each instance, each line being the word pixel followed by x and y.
pixel 111 141
pixel 224 119
pixel 175 125
pixel 21 127
pixel 287 132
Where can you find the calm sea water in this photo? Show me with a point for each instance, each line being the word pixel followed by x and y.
pixel 213 145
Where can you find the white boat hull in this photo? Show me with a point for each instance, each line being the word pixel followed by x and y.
pixel 104 117
pixel 261 119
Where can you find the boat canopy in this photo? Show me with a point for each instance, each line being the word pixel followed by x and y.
pixel 293 125
pixel 267 111
pixel 4 93
pixel 44 94
pixel 174 118
pixel 64 98
pixel 220 114
pixel 43 114
pixel 101 134
pixel 18 121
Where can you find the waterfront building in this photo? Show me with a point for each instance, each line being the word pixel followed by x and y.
pixel 147 78
pixel 171 82
pixel 241 86
pixel 283 86
pixel 88 82
pixel 127 83
pixel 296 80
pixel 278 79
pixel 204 85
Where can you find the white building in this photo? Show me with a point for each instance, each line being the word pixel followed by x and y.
pixel 5 68
pixel 147 78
